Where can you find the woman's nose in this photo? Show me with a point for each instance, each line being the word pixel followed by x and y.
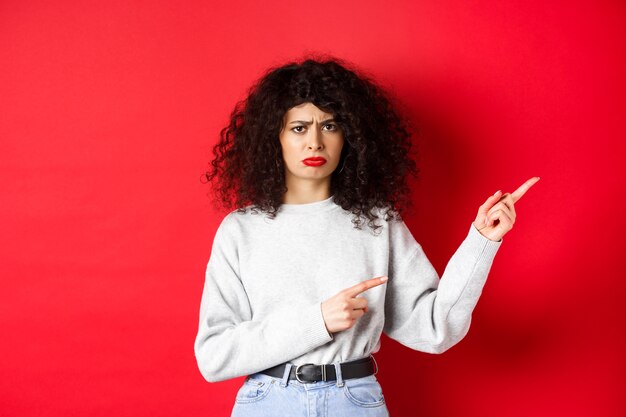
pixel 315 142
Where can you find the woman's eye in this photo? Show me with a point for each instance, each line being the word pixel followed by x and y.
pixel 332 127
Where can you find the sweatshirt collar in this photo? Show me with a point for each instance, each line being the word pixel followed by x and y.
pixel 309 208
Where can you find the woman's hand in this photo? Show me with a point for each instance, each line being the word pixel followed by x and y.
pixel 497 215
pixel 341 311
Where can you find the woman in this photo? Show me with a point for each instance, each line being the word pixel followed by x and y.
pixel 297 298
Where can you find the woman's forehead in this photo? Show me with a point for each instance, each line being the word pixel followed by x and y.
pixel 307 110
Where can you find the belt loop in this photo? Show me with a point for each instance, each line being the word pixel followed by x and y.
pixel 375 363
pixel 283 382
pixel 340 382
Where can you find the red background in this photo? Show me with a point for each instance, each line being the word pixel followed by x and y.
pixel 108 111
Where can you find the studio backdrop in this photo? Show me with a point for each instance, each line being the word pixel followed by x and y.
pixel 109 111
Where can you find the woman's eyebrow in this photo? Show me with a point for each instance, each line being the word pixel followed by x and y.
pixel 308 123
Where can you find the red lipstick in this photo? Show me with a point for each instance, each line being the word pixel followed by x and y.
pixel 315 161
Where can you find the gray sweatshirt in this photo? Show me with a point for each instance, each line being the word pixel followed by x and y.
pixel 266 279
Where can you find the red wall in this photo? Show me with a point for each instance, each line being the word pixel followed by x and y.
pixel 108 111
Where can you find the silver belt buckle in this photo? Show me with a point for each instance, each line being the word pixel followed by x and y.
pixel 298 371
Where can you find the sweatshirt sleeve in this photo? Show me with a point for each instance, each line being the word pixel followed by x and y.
pixel 424 312
pixel 230 342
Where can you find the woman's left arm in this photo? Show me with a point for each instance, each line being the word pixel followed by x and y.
pixel 432 314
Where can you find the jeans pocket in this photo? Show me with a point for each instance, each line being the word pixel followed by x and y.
pixel 364 392
pixel 253 390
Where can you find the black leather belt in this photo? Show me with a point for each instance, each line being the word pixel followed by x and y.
pixel 309 372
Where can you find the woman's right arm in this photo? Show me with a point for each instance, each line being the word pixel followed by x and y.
pixel 230 343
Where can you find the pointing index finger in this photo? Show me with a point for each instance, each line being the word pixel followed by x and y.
pixel 365 285
pixel 517 194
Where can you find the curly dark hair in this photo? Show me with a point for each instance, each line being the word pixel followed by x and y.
pixel 248 161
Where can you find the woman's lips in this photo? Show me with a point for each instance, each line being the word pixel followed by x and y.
pixel 314 162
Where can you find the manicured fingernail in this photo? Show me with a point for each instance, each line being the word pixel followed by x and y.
pixel 496 192
pixel 383 279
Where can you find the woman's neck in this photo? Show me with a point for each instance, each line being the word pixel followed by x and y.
pixel 306 196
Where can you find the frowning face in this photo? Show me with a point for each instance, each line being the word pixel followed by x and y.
pixel 309 132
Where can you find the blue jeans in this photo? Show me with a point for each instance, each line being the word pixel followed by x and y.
pixel 262 395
